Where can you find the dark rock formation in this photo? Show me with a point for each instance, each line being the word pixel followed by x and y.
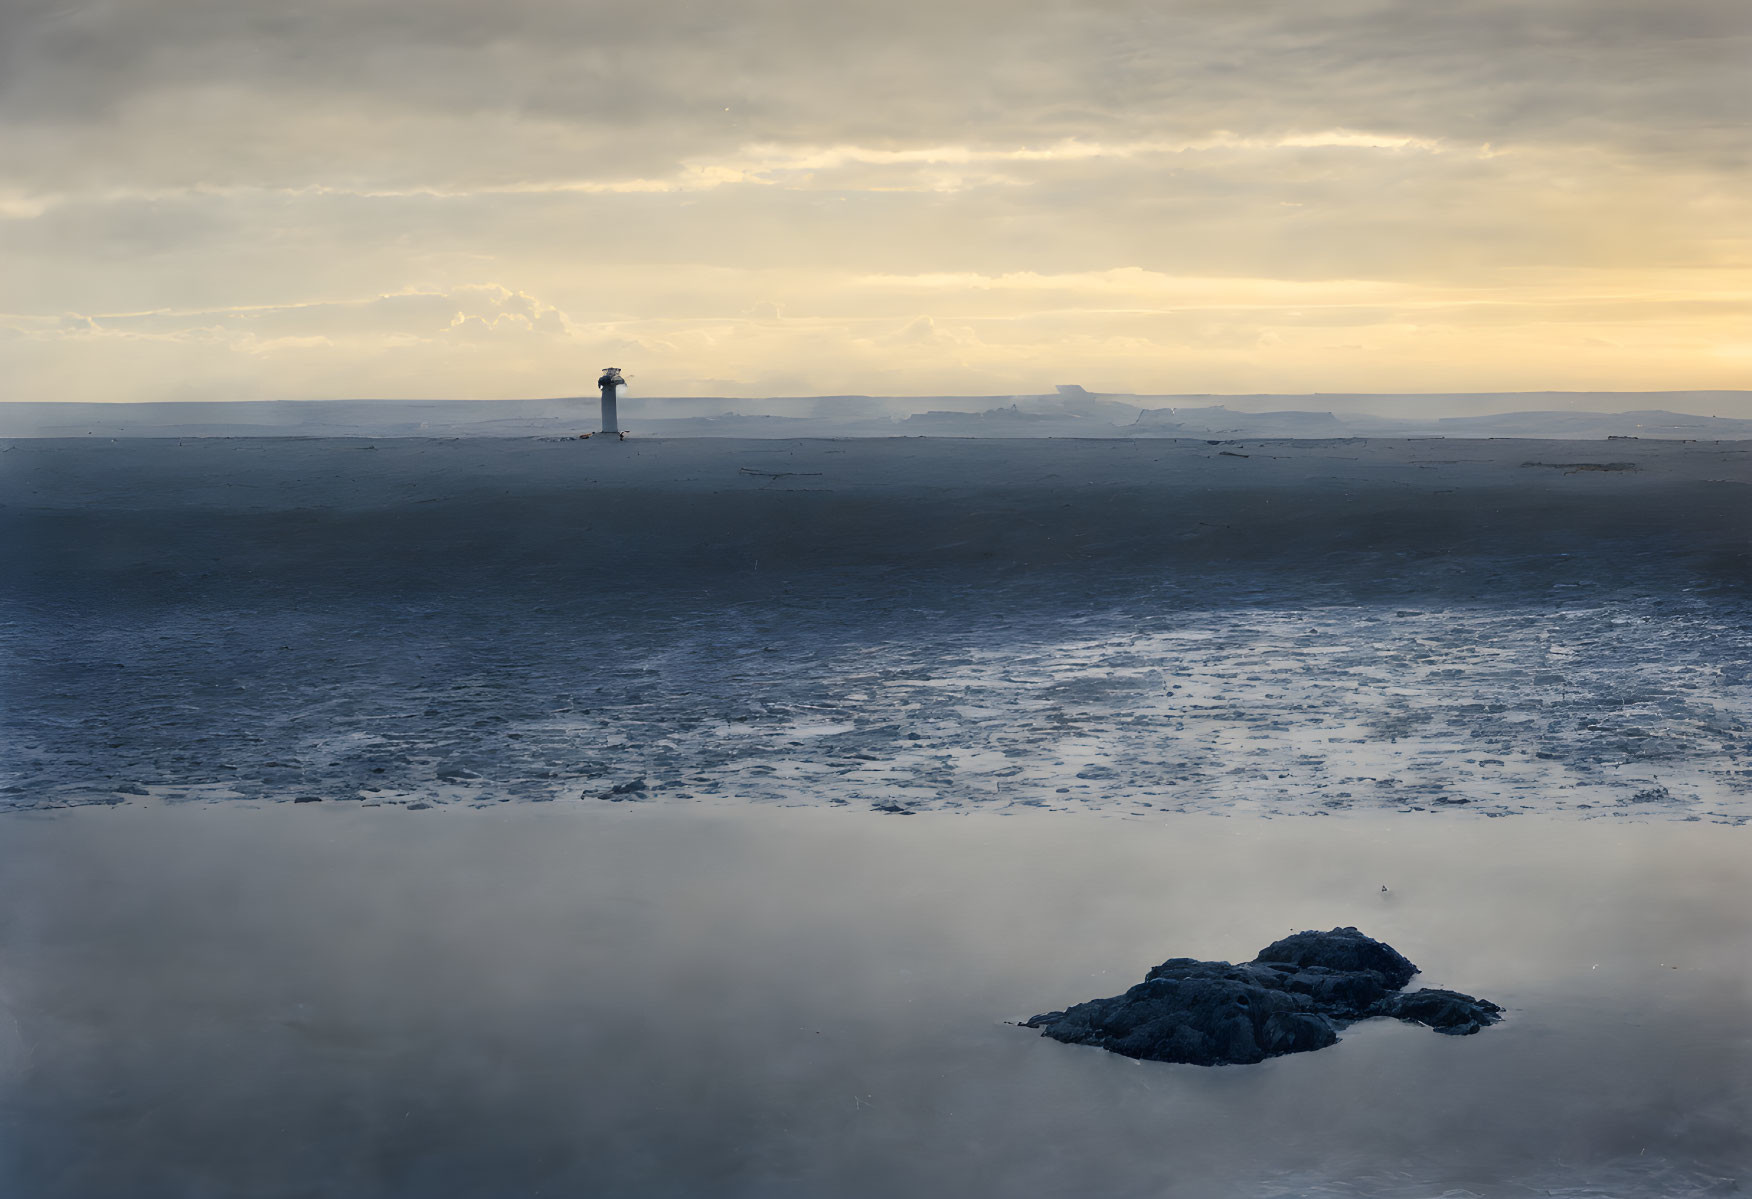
pixel 1293 997
pixel 1342 949
pixel 1445 1011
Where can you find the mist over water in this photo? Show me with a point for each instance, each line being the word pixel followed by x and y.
pixel 226 999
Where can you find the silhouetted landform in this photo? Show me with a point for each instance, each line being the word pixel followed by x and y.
pixel 1293 997
pixel 1071 412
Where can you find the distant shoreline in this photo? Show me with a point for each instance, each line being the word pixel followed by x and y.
pixel 1072 413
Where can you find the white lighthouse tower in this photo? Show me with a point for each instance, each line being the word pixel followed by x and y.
pixel 610 383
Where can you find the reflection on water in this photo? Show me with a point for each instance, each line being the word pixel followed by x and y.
pixel 226 999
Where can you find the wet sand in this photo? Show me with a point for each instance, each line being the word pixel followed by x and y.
pixel 1167 698
pixel 541 999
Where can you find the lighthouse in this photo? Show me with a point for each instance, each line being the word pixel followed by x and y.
pixel 610 384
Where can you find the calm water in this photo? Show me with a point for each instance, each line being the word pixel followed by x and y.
pixel 232 999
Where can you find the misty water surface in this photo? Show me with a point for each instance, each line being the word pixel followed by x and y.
pixel 215 1000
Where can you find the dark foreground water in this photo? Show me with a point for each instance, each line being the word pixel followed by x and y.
pixel 235 999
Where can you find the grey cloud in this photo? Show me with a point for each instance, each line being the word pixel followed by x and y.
pixel 651 80
pixel 1322 213
pixel 476 311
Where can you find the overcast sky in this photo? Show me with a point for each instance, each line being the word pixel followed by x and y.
pixel 240 199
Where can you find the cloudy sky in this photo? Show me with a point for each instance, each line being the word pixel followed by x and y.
pixel 239 199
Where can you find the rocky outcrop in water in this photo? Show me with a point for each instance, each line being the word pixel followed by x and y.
pixel 1294 996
